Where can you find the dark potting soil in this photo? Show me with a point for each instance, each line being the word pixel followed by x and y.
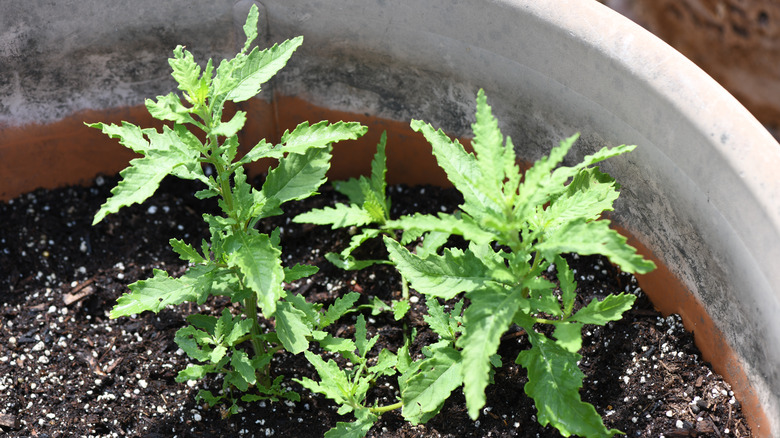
pixel 66 369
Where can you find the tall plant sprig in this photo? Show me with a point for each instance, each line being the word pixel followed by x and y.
pixel 237 261
pixel 518 226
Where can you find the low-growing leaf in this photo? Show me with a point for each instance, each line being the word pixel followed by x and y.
pixel 333 381
pixel 611 308
pixel 299 271
pixel 569 335
pixel 400 307
pixel 161 290
pixel 429 382
pixel 341 306
pixel 291 328
pixel 356 429
pixel 485 320
pixel 362 341
pixel 554 381
pixel 193 372
pixel 241 363
pixel 340 216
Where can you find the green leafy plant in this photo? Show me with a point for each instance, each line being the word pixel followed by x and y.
pixel 517 226
pixel 237 261
pixel 367 213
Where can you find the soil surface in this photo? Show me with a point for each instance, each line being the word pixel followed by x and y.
pixel 66 369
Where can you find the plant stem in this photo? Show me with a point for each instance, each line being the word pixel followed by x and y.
pixel 383 409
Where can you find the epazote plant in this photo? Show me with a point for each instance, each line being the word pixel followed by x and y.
pixel 237 261
pixel 517 227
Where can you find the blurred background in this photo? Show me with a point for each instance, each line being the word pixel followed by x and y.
pixel 736 41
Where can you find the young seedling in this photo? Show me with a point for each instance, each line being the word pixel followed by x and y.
pixel 517 226
pixel 367 212
pixel 237 260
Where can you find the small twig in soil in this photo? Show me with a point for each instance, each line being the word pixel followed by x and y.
pixel 8 420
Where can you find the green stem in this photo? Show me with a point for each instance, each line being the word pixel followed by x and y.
pixel 404 289
pixel 383 409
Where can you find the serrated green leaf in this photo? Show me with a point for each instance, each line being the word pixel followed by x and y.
pixel 569 335
pixel 445 223
pixel 362 342
pixel 239 329
pixel 339 308
pixel 427 385
pixel 351 189
pixel 349 263
pixel 554 381
pixel 400 307
pixel 379 169
pixel 333 384
pixel 431 243
pixel 567 284
pixel 259 261
pixel 296 177
pixel 241 363
pixel 217 353
pixel 185 71
pixel 299 271
pixel 385 362
pixel 595 237
pixel 611 308
pixel 461 168
pixel 190 340
pixel 311 310
pixel 494 159
pixel 224 325
pixel 589 195
pixel 442 276
pixel 129 135
pixel 261 150
pixel 169 107
pixel 139 182
pixel 485 320
pixel 356 429
pixel 186 252
pixel 250 27
pixel 291 328
pixel 193 372
pixel 203 322
pixel 231 127
pixel 259 67
pixel 319 135
pixel 442 323
pixel 340 216
pixel 336 345
pixel 161 290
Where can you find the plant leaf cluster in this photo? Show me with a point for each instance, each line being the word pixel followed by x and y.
pixel 517 226
pixel 237 261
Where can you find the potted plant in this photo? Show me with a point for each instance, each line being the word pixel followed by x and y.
pixel 699 194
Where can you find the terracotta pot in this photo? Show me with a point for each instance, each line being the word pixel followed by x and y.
pixel 700 193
